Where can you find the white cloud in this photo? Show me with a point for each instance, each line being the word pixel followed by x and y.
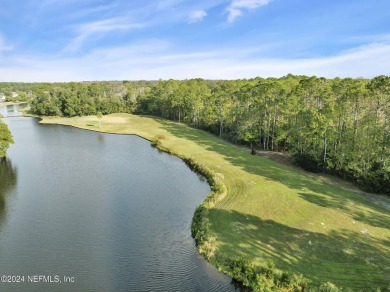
pixel 99 29
pixel 156 59
pixel 236 7
pixel 233 14
pixel 196 16
pixel 249 4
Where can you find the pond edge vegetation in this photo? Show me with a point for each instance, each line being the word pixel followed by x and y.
pixel 241 269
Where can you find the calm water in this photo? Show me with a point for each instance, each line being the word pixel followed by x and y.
pixel 12 110
pixel 108 211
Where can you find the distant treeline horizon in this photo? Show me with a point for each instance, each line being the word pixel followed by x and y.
pixel 338 126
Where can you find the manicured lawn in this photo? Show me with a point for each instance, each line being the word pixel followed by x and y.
pixel 273 212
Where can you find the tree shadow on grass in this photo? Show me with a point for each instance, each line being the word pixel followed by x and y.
pixel 330 196
pixel 373 219
pixel 377 218
pixel 346 258
pixel 325 201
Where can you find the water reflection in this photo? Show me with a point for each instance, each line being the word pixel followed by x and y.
pixel 101 138
pixel 13 110
pixel 8 176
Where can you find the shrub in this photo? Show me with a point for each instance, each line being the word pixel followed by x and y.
pixel 263 278
pixel 155 143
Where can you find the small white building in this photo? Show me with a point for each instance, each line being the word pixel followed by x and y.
pixel 2 97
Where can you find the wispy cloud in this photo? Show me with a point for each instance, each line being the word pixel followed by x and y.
pixel 237 7
pixel 157 59
pixel 56 4
pixel 370 38
pixel 98 29
pixel 83 12
pixel 196 16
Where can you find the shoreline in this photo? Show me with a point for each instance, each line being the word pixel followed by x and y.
pixel 205 225
pixel 6 103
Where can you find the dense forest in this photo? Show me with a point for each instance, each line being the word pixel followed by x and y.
pixel 336 126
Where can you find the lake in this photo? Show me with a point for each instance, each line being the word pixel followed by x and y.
pixel 100 212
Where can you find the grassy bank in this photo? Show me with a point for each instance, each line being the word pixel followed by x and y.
pixel 5 103
pixel 270 211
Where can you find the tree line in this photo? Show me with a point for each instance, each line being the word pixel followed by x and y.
pixel 337 126
pixel 17 91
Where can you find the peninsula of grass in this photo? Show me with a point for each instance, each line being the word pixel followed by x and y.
pixel 265 211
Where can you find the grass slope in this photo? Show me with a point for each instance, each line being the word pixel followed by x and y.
pixel 272 212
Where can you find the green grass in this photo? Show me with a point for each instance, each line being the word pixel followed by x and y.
pixel 273 212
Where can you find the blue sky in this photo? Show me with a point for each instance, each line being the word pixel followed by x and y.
pixel 75 40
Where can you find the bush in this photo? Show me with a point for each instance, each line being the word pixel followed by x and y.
pixel 155 143
pixel 376 181
pixel 307 162
pixel 264 278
